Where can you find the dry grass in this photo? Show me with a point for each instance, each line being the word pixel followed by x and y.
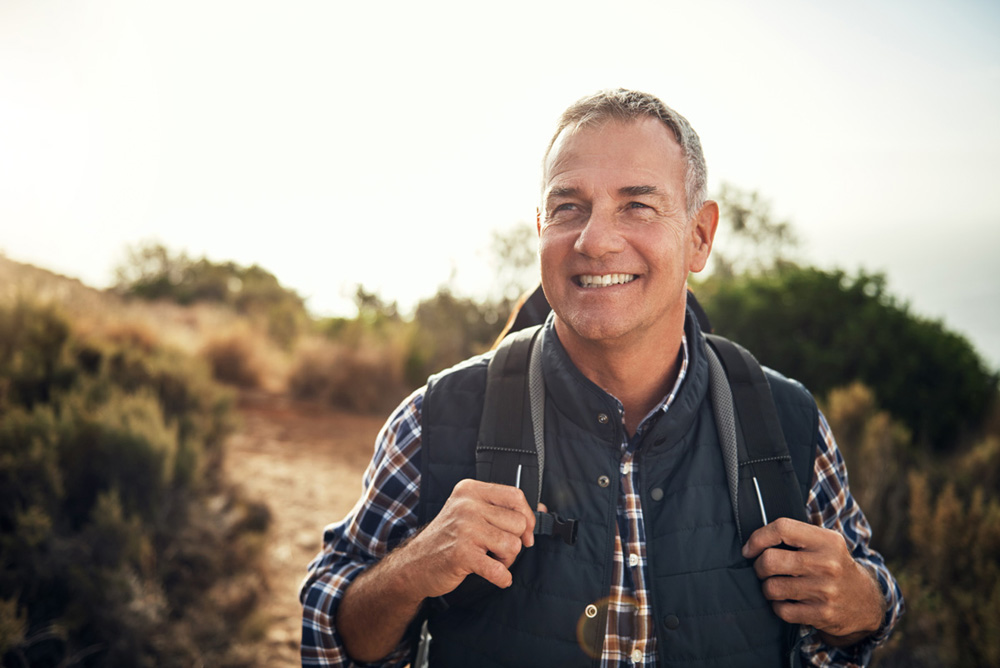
pixel 238 352
pixel 361 378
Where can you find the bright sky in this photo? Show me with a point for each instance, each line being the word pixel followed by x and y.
pixel 340 143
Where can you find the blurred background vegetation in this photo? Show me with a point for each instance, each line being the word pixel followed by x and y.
pixel 123 544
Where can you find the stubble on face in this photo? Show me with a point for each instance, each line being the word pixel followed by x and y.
pixel 614 233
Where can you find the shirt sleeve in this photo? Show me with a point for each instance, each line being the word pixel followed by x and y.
pixel 831 505
pixel 384 516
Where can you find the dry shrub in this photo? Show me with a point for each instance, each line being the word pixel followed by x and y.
pixel 364 378
pixel 876 449
pixel 234 360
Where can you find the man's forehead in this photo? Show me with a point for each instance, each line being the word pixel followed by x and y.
pixel 611 140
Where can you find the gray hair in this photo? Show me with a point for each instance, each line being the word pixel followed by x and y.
pixel 630 105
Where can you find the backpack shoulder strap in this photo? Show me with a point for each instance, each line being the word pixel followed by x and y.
pixel 510 448
pixel 507 451
pixel 763 486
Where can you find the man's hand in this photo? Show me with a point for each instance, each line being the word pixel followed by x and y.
pixel 481 529
pixel 818 583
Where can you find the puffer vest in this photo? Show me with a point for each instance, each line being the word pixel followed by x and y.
pixel 706 599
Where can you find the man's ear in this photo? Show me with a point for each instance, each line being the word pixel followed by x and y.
pixel 703 228
pixel 538 220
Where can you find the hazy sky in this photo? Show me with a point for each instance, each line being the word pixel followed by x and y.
pixel 380 143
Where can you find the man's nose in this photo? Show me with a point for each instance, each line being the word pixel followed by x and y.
pixel 601 235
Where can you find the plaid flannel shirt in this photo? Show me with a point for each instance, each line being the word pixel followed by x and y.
pixel 386 514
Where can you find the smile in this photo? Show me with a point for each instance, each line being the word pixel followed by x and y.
pixel 603 281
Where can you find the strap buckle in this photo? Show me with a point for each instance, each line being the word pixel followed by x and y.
pixel 550 524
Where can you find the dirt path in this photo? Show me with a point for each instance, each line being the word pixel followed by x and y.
pixel 306 463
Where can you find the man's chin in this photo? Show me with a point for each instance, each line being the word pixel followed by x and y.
pixel 592 328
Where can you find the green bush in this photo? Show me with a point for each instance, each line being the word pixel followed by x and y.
pixel 828 329
pixel 110 552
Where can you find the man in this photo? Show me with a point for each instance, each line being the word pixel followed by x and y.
pixel 657 575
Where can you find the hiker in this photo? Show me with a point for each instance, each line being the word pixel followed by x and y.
pixel 655 570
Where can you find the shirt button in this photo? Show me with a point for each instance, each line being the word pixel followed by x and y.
pixel 671 622
pixel 633 560
pixel 626 468
pixel 604 481
pixel 603 418
pixel 591 611
pixel 637 656
pixel 656 494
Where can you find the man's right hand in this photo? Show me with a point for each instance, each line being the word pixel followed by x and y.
pixel 481 529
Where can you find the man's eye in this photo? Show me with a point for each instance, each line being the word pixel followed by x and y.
pixel 637 205
pixel 564 207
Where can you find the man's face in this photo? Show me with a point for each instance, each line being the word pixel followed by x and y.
pixel 615 241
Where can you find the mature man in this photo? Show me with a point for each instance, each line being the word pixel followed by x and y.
pixel 657 575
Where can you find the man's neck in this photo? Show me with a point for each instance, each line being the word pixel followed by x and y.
pixel 639 372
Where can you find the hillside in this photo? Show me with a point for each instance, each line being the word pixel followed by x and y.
pixel 302 460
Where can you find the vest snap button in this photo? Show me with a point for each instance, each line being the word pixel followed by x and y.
pixel 604 481
pixel 591 611
pixel 671 622
pixel 603 418
pixel 656 494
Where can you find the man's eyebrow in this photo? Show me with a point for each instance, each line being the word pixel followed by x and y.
pixel 636 191
pixel 560 191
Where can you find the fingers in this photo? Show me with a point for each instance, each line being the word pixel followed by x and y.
pixel 782 530
pixel 818 584
pixel 520 520
pixel 481 529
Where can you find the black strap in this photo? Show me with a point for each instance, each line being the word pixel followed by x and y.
pixel 767 480
pixel 506 442
pixel 506 451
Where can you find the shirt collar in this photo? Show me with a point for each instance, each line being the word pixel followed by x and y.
pixel 661 408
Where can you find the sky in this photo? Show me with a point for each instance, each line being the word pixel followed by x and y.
pixel 380 144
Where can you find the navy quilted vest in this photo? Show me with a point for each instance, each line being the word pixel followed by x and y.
pixel 707 603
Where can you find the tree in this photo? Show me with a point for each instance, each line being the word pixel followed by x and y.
pixel 750 240
pixel 514 255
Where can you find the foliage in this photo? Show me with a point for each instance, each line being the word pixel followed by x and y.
pixel 514 257
pixel 152 272
pixel 364 378
pixel 234 360
pixel 118 538
pixel 449 329
pixel 749 239
pixel 936 519
pixel 828 329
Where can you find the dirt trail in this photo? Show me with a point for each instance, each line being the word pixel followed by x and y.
pixel 306 463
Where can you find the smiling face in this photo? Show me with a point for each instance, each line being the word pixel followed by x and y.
pixel 615 241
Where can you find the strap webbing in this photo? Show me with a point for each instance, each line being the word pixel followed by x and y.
pixel 725 423
pixel 515 387
pixel 766 478
pixel 506 448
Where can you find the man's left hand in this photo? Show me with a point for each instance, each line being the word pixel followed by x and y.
pixel 818 583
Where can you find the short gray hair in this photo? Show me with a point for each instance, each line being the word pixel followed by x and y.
pixel 630 105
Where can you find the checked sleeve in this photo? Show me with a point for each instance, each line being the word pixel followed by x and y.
pixel 832 506
pixel 384 516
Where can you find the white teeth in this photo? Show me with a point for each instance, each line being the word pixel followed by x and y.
pixel 594 281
